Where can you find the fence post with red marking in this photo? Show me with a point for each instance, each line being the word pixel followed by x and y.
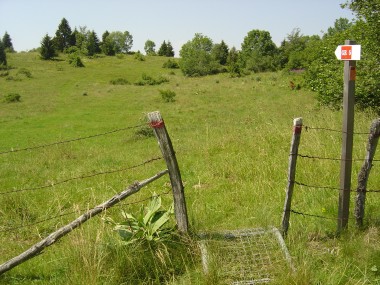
pixel 297 129
pixel 180 210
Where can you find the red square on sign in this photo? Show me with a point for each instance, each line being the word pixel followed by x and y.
pixel 346 52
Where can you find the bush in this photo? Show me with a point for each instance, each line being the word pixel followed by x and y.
pixel 12 98
pixel 167 95
pixel 75 60
pixel 149 80
pixel 119 81
pixel 171 64
pixel 24 71
pixel 139 56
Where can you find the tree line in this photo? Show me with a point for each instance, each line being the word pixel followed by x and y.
pixel 314 55
pixel 87 43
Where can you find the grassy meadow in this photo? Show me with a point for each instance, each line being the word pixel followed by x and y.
pixel 232 139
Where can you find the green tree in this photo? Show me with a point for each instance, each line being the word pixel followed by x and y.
pixel 169 50
pixel 233 63
pixel 220 53
pixel 47 49
pixel 291 54
pixel 108 46
pixel 367 33
pixel 3 55
pixel 121 42
pixel 149 47
pixel 259 51
pixel 63 36
pixel 324 74
pixel 196 58
pixel 166 49
pixel 7 42
pixel 93 45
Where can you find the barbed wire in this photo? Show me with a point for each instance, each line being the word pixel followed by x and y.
pixel 70 140
pixel 334 130
pixel 12 229
pixel 331 158
pixel 52 184
pixel 331 188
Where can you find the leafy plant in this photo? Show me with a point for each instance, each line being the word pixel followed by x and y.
pixel 167 95
pixel 149 80
pixel 148 227
pixel 25 71
pixel 12 98
pixel 170 64
pixel 75 60
pixel 119 81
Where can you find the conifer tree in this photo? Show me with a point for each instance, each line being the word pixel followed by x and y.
pixel 169 50
pixel 3 55
pixel 7 43
pixel 47 48
pixel 163 49
pixel 63 36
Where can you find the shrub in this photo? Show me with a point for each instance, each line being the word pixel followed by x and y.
pixel 167 95
pixel 170 64
pixel 12 98
pixel 75 60
pixel 119 81
pixel 149 80
pixel 139 56
pixel 24 71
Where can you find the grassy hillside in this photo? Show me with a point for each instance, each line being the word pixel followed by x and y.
pixel 232 139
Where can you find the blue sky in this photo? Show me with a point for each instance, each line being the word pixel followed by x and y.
pixel 27 21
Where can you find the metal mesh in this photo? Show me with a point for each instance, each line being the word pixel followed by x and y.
pixel 244 257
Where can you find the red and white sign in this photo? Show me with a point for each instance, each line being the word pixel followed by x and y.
pixel 348 52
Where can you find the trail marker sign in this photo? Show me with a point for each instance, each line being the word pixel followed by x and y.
pixel 348 52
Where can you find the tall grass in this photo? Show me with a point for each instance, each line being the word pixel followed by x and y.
pixel 231 136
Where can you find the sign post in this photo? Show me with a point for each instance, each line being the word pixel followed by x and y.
pixel 349 53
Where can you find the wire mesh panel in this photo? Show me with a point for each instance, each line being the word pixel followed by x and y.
pixel 244 257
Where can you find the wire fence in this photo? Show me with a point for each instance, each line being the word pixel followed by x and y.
pixel 69 179
pixel 326 187
pixel 12 150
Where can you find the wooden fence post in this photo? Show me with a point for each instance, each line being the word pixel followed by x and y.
pixel 180 211
pixel 365 170
pixel 297 128
pixel 347 141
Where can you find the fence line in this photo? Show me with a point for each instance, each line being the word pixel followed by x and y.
pixel 71 140
pixel 79 177
pixel 13 229
pixel 374 134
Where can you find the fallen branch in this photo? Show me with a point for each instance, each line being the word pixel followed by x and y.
pixel 55 236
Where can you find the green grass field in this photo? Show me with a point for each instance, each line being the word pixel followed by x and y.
pixel 232 139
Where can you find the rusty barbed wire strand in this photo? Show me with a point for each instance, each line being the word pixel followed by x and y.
pixel 333 130
pixel 331 158
pixel 331 188
pixel 70 140
pixel 80 177
pixel 12 229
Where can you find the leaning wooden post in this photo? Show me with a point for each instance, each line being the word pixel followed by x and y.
pixel 297 128
pixel 365 170
pixel 180 211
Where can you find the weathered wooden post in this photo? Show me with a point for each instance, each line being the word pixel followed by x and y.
pixel 349 53
pixel 180 210
pixel 297 128
pixel 365 170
